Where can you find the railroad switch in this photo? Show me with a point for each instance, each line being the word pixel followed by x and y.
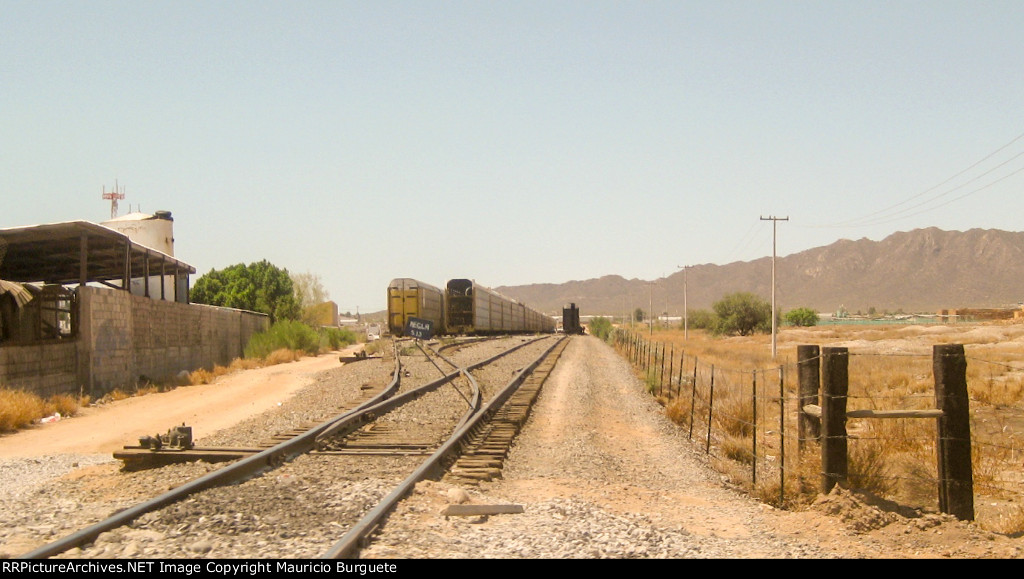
pixel 179 438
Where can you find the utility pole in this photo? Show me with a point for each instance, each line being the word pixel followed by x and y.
pixel 650 319
pixel 686 325
pixel 775 221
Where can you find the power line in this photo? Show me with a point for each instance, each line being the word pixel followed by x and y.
pixel 887 215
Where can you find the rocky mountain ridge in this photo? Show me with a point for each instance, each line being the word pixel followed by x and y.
pixel 920 271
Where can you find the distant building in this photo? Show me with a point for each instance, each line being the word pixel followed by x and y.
pixel 324 314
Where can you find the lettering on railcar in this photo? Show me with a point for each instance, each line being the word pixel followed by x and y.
pixel 419 328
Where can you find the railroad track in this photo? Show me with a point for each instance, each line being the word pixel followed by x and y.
pixel 382 442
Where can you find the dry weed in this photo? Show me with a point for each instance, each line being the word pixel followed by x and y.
pixel 678 411
pixel 19 409
pixel 1009 520
pixel 868 467
pixel 282 356
pixel 65 404
pixel 737 449
pixel 117 394
pixel 200 376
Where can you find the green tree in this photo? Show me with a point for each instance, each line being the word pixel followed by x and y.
pixel 258 287
pixel 700 320
pixel 309 290
pixel 638 315
pixel 804 317
pixel 742 313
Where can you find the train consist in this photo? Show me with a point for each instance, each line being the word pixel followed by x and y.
pixel 463 307
pixel 571 320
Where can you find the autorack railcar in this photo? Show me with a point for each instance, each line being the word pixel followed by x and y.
pixel 475 309
pixel 410 298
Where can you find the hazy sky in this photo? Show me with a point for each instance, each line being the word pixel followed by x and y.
pixel 511 142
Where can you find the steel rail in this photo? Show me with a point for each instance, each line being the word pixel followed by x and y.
pixel 356 420
pixel 351 542
pixel 266 459
pixel 235 472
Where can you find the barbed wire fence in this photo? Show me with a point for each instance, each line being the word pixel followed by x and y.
pixel 759 427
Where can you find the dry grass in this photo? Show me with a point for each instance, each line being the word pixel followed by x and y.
pixel 1008 521
pixel 20 409
pixel 890 367
pixel 282 356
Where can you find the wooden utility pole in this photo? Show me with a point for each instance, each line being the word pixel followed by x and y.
pixel 775 221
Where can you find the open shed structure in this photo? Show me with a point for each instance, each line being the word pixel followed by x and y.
pixel 40 265
pixel 80 252
pixel 84 308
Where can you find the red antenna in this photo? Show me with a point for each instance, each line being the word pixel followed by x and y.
pixel 113 196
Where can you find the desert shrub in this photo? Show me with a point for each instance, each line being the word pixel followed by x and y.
pixel 200 376
pixel 737 449
pixel 735 416
pixel 281 356
pixel 336 338
pixel 239 364
pixel 18 409
pixel 1008 521
pixel 601 327
pixel 678 411
pixel 65 404
pixel 742 314
pixel 283 334
pixel 651 381
pixel 869 467
pixel 701 320
pixel 374 347
pixel 803 317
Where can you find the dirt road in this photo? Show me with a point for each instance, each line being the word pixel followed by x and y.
pixel 207 408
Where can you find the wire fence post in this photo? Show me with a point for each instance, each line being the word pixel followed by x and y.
pixel 753 399
pixel 808 383
pixel 711 404
pixel 679 381
pixel 693 396
pixel 661 379
pixel 835 384
pixel 956 481
pixel 782 437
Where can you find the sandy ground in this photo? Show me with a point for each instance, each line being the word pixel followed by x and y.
pixel 207 408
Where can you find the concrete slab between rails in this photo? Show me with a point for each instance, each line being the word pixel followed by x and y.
pixel 480 510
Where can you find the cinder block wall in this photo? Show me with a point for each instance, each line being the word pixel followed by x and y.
pixel 123 339
pixel 42 368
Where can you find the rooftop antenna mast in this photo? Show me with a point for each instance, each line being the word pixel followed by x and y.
pixel 113 196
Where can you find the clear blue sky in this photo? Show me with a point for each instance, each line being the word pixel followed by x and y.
pixel 512 142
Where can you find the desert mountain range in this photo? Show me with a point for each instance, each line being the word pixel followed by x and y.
pixel 920 271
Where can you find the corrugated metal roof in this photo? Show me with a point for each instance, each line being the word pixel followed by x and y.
pixel 79 252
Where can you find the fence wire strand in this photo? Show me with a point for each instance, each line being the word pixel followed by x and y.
pixel 726 406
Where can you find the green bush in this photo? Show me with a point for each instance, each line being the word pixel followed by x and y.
pixel 600 327
pixel 336 338
pixel 742 314
pixel 701 320
pixel 805 317
pixel 287 334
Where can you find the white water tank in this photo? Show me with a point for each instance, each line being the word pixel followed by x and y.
pixel 154 231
